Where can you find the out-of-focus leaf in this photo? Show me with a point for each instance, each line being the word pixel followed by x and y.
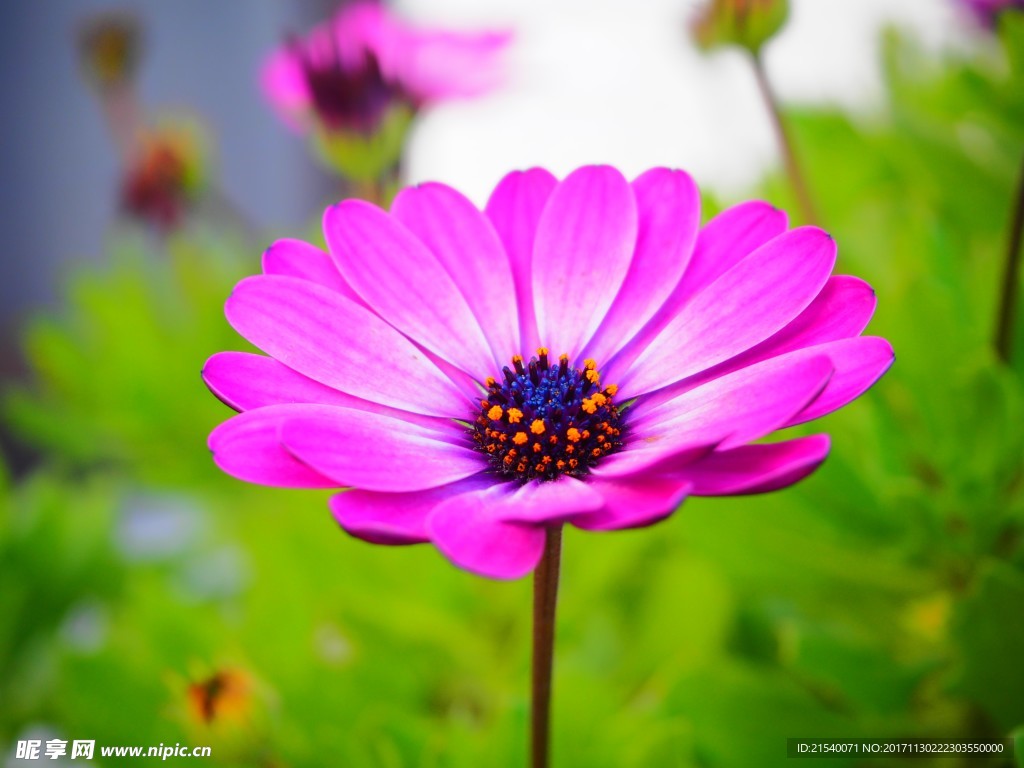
pixel 989 629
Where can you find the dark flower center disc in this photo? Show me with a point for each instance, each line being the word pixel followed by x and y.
pixel 541 421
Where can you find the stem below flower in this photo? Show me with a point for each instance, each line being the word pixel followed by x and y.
pixel 545 596
pixel 1011 278
pixel 789 161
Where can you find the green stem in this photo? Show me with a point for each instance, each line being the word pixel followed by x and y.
pixel 545 596
pixel 1011 278
pixel 796 178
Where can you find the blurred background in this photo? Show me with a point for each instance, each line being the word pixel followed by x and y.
pixel 144 597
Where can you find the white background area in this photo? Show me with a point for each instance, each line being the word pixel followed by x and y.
pixel 619 81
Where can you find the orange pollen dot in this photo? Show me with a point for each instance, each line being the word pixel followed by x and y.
pixel 537 447
pixel 485 403
pixel 537 427
pixel 611 390
pixel 563 358
pixel 490 381
pixel 553 439
pixel 519 438
pixel 573 435
pixel 495 412
pixel 514 415
pixel 542 350
pixel 593 377
pixel 560 464
pixel 589 405
pixel 590 364
pixel 600 399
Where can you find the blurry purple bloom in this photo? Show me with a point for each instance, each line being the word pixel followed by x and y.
pixel 348 72
pixel 396 363
pixel 986 12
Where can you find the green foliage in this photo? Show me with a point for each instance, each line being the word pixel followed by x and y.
pixel 117 377
pixel 879 598
pixel 56 574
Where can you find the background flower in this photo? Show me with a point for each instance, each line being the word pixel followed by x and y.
pixel 713 338
pixel 164 173
pixel 357 79
pixel 987 12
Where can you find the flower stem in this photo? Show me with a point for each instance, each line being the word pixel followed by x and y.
pixel 545 596
pixel 1011 277
pixel 796 178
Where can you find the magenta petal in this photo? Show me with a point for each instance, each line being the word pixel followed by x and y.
pixel 858 363
pixel 727 412
pixel 432 65
pixel 247 447
pixel 757 468
pixel 514 209
pixel 723 242
pixel 585 242
pixel 727 239
pixel 245 381
pixel 556 501
pixel 466 531
pixel 668 205
pixel 323 335
pixel 285 86
pixel 633 502
pixel 465 243
pixel 374 452
pixel 840 311
pixel 394 518
pixel 295 258
pixel 746 305
pixel 405 283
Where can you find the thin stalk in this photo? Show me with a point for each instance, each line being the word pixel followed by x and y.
pixel 545 596
pixel 1011 277
pixel 123 114
pixel 789 161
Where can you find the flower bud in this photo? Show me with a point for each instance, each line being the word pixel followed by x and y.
pixel 110 46
pixel 747 23
pixel 164 174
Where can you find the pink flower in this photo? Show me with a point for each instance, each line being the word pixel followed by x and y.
pixel 665 351
pixel 986 12
pixel 348 72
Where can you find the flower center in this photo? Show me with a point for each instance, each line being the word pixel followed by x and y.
pixel 348 96
pixel 543 420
